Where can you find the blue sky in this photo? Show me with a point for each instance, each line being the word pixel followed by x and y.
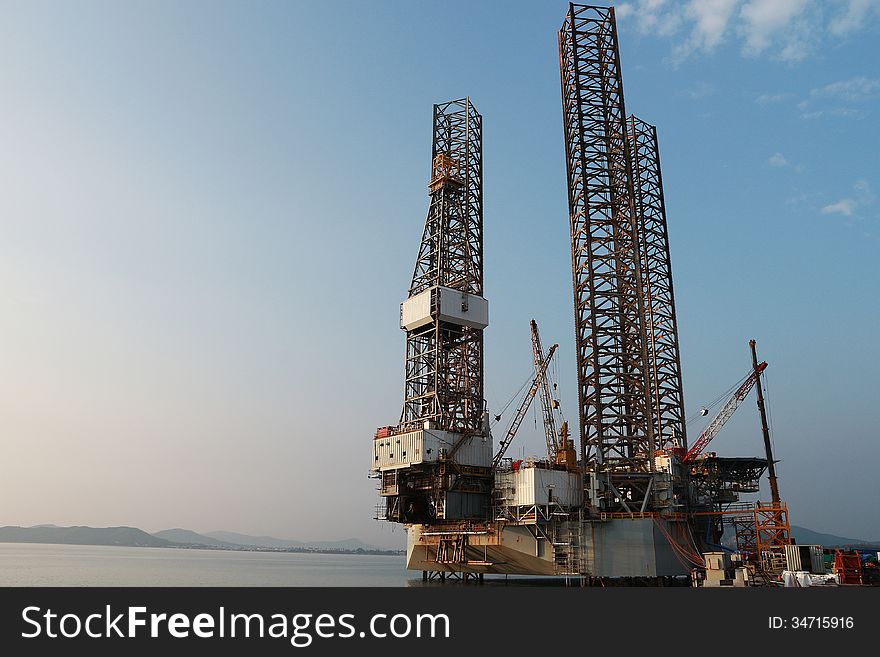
pixel 210 212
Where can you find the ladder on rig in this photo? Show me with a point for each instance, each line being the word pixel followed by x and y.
pixel 568 555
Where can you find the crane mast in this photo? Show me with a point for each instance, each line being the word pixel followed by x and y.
pixel 540 377
pixel 765 426
pixel 547 401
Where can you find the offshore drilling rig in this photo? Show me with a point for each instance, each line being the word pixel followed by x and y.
pixel 635 502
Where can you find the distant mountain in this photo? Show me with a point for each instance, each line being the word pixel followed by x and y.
pixel 272 542
pixel 187 537
pixel 804 536
pixel 127 536
pixel 346 544
pixel 134 537
pixel 254 541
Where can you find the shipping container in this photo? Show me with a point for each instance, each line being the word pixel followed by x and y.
pixel 806 558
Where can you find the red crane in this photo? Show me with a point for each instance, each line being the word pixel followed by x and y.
pixel 724 414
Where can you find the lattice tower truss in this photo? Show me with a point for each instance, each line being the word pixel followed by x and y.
pixel 629 382
pixel 444 357
pixel 664 360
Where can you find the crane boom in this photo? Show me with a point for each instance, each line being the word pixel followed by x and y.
pixel 724 414
pixel 523 408
pixel 546 396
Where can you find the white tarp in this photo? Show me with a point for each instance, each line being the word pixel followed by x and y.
pixel 802 579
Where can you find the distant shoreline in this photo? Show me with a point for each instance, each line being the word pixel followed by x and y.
pixel 216 548
pixel 179 539
pixel 254 548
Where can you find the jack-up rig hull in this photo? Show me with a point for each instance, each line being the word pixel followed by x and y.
pixel 630 547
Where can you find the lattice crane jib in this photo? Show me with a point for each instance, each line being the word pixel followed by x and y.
pixel 443 312
pixel 551 432
pixel 520 414
pixel 614 397
pixel 664 360
pixel 725 414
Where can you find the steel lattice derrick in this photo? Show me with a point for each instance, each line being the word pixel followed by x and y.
pixel 664 361
pixel 451 252
pixel 614 402
pixel 444 361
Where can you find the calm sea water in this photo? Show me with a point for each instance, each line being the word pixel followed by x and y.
pixel 26 564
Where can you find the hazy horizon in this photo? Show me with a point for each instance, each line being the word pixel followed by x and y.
pixel 310 540
pixel 210 214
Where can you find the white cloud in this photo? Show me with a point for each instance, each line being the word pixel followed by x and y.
pixel 844 206
pixel 798 46
pixel 763 20
pixel 624 10
pixel 709 23
pixel 854 89
pixel 864 197
pixel 769 99
pixel 668 24
pixel 839 112
pixel 833 98
pixel 777 160
pixel 655 17
pixel 711 18
pixel 700 90
pixel 783 29
pixel 856 15
pixel 864 193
